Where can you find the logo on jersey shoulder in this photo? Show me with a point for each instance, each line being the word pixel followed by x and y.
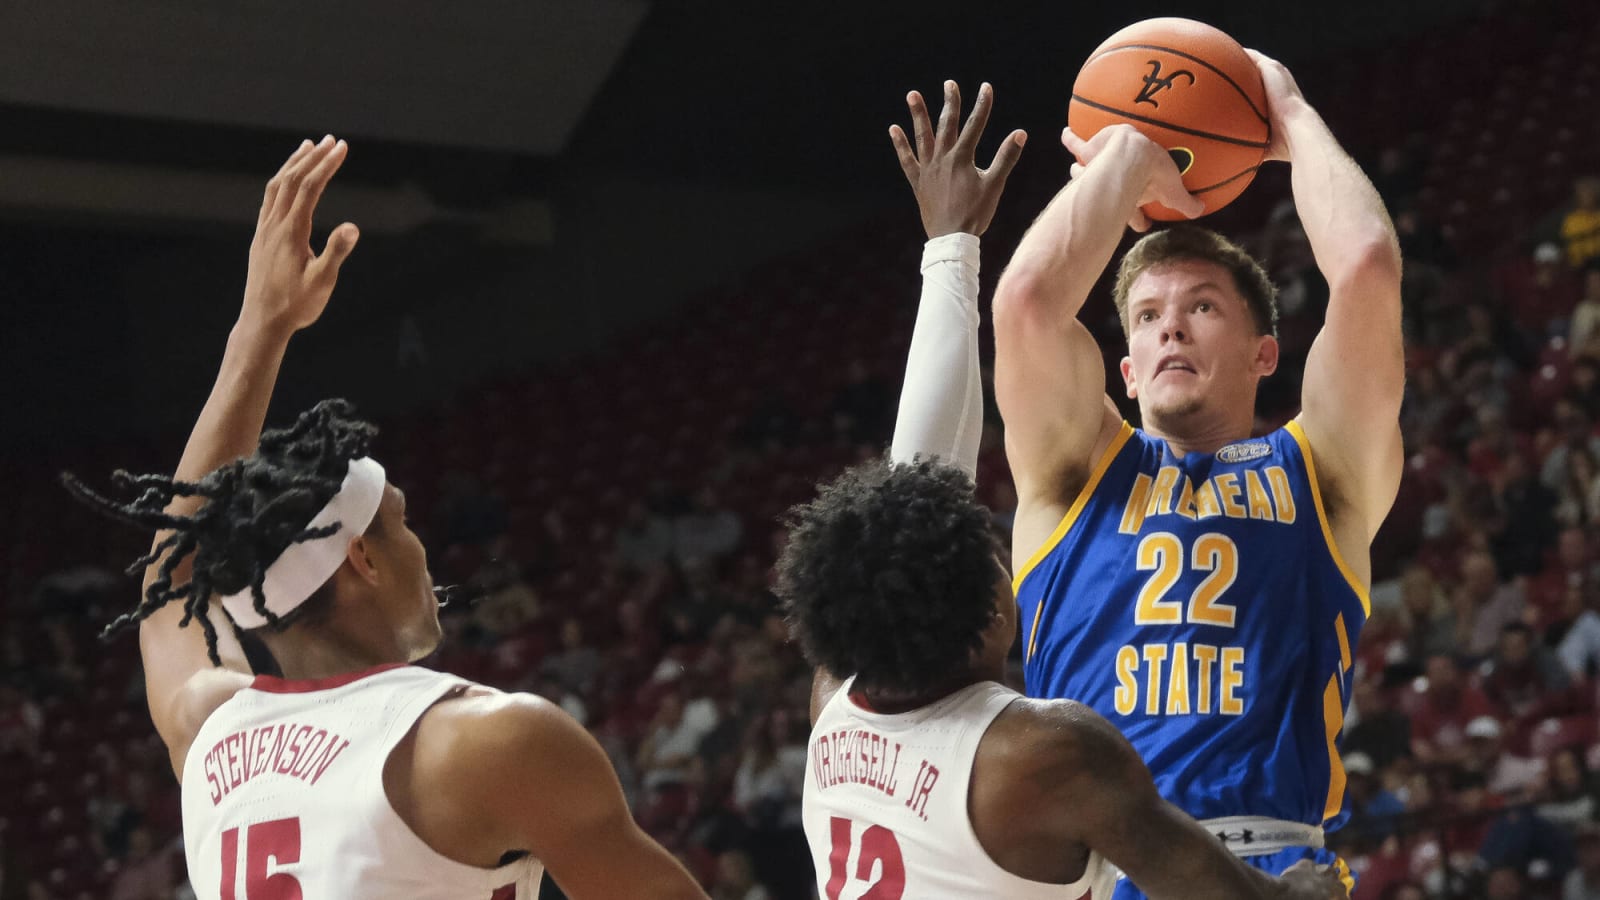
pixel 1244 451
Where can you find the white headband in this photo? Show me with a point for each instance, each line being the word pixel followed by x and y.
pixel 302 568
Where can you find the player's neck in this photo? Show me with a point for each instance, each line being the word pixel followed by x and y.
pixel 306 653
pixel 892 703
pixel 1199 434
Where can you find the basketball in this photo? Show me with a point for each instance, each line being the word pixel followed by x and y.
pixel 1190 88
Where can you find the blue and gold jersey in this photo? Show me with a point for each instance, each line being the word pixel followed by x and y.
pixel 1199 604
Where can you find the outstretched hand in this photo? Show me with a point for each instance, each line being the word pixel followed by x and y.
pixel 289 284
pixel 953 194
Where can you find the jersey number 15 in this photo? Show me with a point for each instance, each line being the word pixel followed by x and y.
pixel 267 846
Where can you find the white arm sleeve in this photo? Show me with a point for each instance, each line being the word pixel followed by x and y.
pixel 941 402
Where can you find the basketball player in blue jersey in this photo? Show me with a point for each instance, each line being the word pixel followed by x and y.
pixel 1201 588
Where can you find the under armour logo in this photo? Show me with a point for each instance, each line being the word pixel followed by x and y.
pixel 1237 837
pixel 1155 84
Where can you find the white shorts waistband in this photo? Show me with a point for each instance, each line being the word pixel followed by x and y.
pixel 1258 835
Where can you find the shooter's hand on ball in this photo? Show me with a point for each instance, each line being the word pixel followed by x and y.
pixel 1141 158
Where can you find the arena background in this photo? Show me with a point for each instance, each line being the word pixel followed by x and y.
pixel 635 275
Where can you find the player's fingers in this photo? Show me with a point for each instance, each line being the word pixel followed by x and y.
pixel 921 126
pixel 949 118
pixel 1077 146
pixel 1005 159
pixel 977 121
pixel 1259 57
pixel 295 174
pixel 1140 222
pixel 325 268
pixel 305 205
pixel 1076 171
pixel 902 150
pixel 275 183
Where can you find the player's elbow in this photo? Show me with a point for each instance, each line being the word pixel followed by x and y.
pixel 1021 300
pixel 1372 268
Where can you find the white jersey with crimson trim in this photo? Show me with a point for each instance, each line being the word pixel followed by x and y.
pixel 283 796
pixel 885 805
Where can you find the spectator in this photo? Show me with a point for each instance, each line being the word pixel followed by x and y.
pixel 766 788
pixel 1525 520
pixel 1538 289
pixel 670 749
pixel 1398 176
pixel 644 540
pixel 1569 790
pixel 1573 429
pixel 863 408
pixel 1522 673
pixel 1433 622
pixel 705 533
pixel 149 871
pixel 1578 499
pixel 1508 776
pixel 1505 884
pixel 1583 882
pixel 1445 703
pixel 1572 570
pixel 21 721
pixel 1381 732
pixel 1579 641
pixel 1373 808
pixel 576 665
pixel 1583 331
pixel 1484 605
pixel 736 878
pixel 1580 227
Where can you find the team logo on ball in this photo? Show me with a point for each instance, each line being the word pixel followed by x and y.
pixel 1183 156
pixel 1154 83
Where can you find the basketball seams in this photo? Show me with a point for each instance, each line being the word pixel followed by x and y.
pixel 1225 182
pixel 1192 58
pixel 1222 138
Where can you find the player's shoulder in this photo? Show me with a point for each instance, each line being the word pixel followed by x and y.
pixel 1058 743
pixel 480 734
pixel 200 697
pixel 486 720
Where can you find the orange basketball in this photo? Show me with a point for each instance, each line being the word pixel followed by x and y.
pixel 1190 88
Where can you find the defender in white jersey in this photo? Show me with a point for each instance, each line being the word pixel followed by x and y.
pixel 344 774
pixel 929 779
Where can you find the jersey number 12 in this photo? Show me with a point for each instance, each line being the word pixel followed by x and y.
pixel 878 845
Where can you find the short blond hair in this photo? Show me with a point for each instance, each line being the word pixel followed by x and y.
pixel 1191 242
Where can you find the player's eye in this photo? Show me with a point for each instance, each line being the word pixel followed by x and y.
pixel 1204 306
pixel 1146 316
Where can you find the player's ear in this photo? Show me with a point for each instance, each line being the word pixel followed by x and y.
pixel 1266 361
pixel 359 556
pixel 1127 377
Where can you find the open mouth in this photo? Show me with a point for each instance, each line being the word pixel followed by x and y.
pixel 1175 367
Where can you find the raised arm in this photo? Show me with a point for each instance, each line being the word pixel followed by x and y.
pixel 1355 373
pixel 1049 375
pixel 941 401
pixel 1079 783
pixel 286 289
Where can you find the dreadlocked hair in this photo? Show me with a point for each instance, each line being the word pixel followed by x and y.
pixel 255 508
pixel 890 575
